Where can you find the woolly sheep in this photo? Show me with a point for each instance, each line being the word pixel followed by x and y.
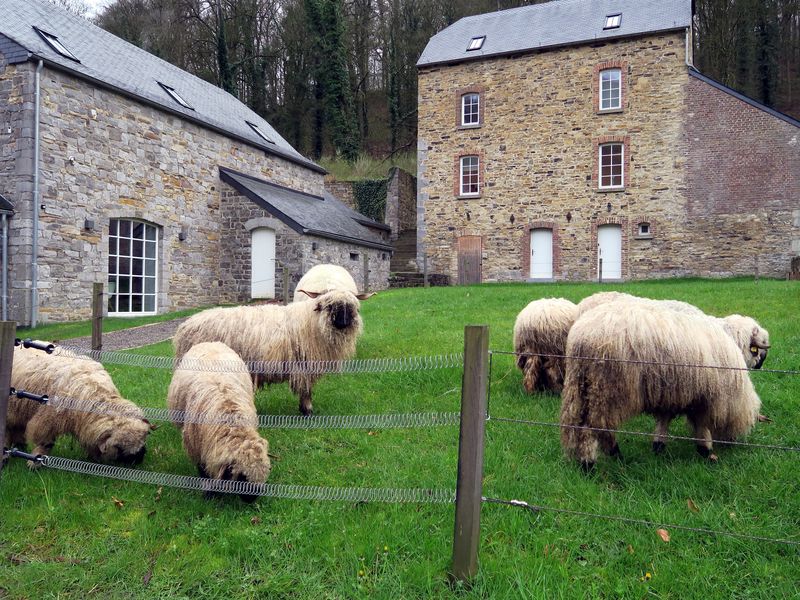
pixel 104 437
pixel 600 298
pixel 718 403
pixel 325 329
pixel 221 451
pixel 324 278
pixel 541 328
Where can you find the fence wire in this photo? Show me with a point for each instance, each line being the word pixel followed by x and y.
pixel 272 490
pixel 653 524
pixel 319 367
pixel 644 362
pixel 385 421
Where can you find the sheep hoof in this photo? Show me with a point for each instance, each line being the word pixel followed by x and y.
pixel 587 466
pixel 307 412
pixel 703 451
pixel 615 452
pixel 248 498
pixel 713 457
pixel 659 447
pixel 33 465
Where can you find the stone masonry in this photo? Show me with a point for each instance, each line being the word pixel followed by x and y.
pixel 538 143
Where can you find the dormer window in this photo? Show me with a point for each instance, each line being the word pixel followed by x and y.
pixel 613 21
pixel 175 95
pixel 476 43
pixel 56 44
pixel 259 133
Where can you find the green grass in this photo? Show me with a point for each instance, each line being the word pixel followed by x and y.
pixel 368 167
pixel 63 535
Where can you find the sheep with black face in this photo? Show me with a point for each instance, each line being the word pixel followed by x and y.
pixel 324 329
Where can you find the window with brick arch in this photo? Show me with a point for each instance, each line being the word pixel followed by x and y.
pixel 471 109
pixel 132 267
pixel 470 176
pixel 612 166
pixel 610 89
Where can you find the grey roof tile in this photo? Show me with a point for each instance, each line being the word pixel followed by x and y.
pixel 554 23
pixel 112 61
pixel 324 216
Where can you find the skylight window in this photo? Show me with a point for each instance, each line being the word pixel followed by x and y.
pixel 259 133
pixel 56 44
pixel 175 95
pixel 476 43
pixel 613 21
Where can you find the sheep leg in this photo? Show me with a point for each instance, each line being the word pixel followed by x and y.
pixel 42 434
pixel 608 443
pixel 302 387
pixel 660 435
pixel 704 440
pixel 531 373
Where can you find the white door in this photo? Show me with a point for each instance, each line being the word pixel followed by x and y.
pixel 541 254
pixel 262 262
pixel 609 249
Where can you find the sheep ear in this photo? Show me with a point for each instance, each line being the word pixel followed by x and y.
pixel 365 296
pixel 102 441
pixel 310 294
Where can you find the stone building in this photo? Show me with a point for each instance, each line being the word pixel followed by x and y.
pixel 573 140
pixel 124 169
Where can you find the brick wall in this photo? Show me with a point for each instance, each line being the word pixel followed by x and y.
pixel 538 143
pixel 743 186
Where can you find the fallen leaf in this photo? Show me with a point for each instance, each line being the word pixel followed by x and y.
pixel 147 577
pixel 18 559
pixel 372 433
pixel 118 502
pixel 255 520
pixel 764 419
pixel 663 534
pixel 630 549
pixel 692 506
pixel 158 493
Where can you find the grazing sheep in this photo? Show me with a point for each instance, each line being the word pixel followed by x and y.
pixel 600 298
pixel 104 437
pixel 541 328
pixel 325 329
pixel 324 278
pixel 719 403
pixel 228 451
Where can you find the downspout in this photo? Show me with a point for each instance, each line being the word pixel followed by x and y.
pixel 5 267
pixel 36 201
pixel 689 41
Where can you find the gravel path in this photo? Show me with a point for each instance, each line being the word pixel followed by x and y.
pixel 131 338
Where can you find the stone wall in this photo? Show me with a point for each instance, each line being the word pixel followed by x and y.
pixel 107 156
pixel 343 190
pixel 401 202
pixel 538 144
pixel 743 186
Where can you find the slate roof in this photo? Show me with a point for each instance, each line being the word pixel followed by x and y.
pixel 323 216
pixel 5 206
pixel 109 61
pixel 551 24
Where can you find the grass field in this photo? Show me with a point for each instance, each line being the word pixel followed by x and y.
pixel 68 536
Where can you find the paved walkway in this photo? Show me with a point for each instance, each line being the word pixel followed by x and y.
pixel 131 338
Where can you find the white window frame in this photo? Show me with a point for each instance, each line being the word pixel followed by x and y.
pixel 175 95
pixel 476 114
pixel 621 185
pixel 613 21
pixel 641 229
pixel 56 44
pixel 476 43
pixel 114 295
pixel 464 190
pixel 618 104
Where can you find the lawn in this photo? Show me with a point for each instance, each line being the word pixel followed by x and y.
pixel 69 536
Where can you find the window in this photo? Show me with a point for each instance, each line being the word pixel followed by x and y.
pixel 613 21
pixel 612 158
pixel 354 256
pixel 56 44
pixel 611 89
pixel 476 43
pixel 470 109
pixel 175 95
pixel 644 230
pixel 132 267
pixel 470 176
pixel 259 133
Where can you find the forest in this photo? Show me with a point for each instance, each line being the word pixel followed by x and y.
pixel 339 78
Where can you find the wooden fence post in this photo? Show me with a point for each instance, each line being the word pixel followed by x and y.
pixel 8 329
pixel 469 487
pixel 600 272
pixel 365 290
pixel 97 316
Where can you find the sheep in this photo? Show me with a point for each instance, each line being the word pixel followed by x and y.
pixel 104 437
pixel 323 330
pixel 228 451
pixel 324 278
pixel 719 403
pixel 599 298
pixel 541 328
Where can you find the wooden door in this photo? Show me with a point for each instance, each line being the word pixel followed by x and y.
pixel 469 259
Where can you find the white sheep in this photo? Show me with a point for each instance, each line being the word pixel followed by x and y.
pixel 325 329
pixel 220 434
pixel 541 328
pixel 603 388
pixel 104 437
pixel 324 278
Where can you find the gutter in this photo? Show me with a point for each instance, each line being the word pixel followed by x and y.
pixel 36 199
pixel 349 240
pixel 5 266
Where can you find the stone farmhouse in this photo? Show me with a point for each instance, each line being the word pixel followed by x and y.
pixel 120 168
pixel 574 140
